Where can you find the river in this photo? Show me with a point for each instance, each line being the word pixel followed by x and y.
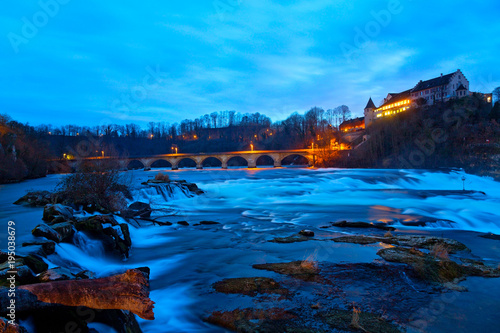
pixel 254 206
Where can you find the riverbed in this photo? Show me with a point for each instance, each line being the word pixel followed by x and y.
pixel 257 205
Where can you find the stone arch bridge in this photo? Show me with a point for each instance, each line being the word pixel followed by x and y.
pixel 250 157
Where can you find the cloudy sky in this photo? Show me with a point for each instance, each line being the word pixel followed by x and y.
pixel 93 62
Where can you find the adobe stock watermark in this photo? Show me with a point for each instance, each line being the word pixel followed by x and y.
pixel 32 25
pixel 426 147
pixel 129 101
pixel 373 28
pixel 425 316
pixel 223 7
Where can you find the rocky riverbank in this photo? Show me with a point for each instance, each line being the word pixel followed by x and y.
pixel 62 306
pixel 314 295
pixel 48 296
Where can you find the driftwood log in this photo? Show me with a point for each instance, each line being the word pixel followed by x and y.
pixel 127 291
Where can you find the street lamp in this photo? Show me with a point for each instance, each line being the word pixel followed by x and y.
pixel 312 146
pixel 102 152
pixel 251 146
pixel 463 181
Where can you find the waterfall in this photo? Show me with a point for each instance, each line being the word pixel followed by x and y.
pixel 158 194
pixel 173 191
pixel 93 247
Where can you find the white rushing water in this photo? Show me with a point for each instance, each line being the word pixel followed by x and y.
pixel 254 206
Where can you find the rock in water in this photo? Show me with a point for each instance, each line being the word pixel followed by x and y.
pixel 115 236
pixel 362 225
pixel 37 199
pixel 49 247
pixel 57 213
pixel 291 239
pixel 250 286
pixel 307 233
pixel 43 230
pixel 139 209
pixel 65 230
pixel 303 270
pixel 55 274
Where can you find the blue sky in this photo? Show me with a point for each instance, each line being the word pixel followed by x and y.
pixel 95 62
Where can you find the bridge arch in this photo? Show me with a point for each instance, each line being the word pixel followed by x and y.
pixel 237 161
pixel 185 162
pixel 295 160
pixel 135 164
pixel 265 160
pixel 161 163
pixel 212 161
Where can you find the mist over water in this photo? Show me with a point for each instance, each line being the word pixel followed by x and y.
pixel 254 206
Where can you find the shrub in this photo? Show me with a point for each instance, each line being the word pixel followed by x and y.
pixel 95 190
pixel 162 177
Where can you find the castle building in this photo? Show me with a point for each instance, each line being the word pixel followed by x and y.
pixel 394 103
pixel 441 88
pixel 369 112
pixel 352 125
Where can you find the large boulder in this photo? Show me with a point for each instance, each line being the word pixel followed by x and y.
pixel 57 213
pixel 43 230
pixel 138 209
pixel 115 236
pixel 192 187
pixel 120 236
pixel 95 223
pixel 65 230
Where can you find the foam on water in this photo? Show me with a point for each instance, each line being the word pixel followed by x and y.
pixel 261 203
pixel 298 196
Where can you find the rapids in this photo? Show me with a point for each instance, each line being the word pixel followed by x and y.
pixel 254 206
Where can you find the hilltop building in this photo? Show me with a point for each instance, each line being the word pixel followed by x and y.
pixel 352 125
pixel 441 88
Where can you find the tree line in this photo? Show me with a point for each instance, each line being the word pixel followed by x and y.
pixel 218 131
